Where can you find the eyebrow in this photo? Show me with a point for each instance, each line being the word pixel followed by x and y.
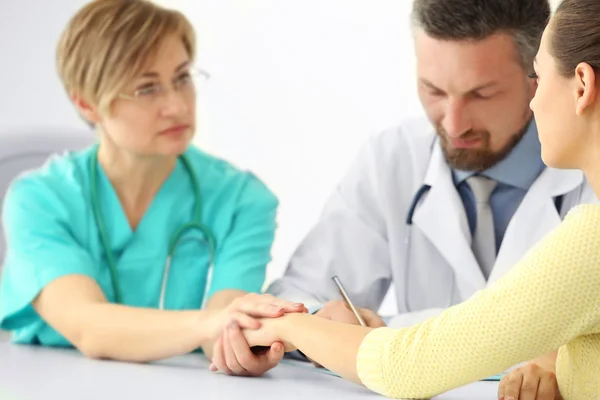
pixel 475 89
pixel 153 74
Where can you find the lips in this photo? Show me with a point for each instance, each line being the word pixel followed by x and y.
pixel 175 130
pixel 465 143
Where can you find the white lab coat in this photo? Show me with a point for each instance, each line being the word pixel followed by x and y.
pixel 361 235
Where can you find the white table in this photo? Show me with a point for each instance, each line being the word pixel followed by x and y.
pixel 35 373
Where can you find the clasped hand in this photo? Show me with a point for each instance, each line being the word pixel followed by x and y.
pixel 233 353
pixel 252 349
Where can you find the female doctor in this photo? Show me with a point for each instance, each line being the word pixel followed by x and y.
pixel 110 249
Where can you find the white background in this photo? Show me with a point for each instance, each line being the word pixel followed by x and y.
pixel 296 87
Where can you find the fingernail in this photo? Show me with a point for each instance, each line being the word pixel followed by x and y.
pixel 277 347
pixel 212 367
pixel 510 398
pixel 277 309
pixel 298 305
pixel 232 325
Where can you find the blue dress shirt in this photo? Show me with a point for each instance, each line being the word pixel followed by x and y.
pixel 514 176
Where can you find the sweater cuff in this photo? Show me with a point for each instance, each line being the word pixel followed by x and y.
pixel 371 359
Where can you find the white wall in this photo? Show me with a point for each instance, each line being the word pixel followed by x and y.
pixel 296 88
pixel 31 92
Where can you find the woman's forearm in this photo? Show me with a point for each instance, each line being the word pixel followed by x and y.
pixel 141 335
pixel 136 334
pixel 332 344
pixel 76 307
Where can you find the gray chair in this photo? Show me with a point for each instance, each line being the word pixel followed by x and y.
pixel 22 150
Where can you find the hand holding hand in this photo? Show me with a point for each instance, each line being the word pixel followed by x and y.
pixel 247 311
pixel 233 355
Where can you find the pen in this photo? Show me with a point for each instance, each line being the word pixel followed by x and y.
pixel 342 291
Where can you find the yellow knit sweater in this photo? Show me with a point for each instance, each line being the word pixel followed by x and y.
pixel 550 300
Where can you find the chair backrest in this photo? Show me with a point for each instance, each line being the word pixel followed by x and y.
pixel 23 150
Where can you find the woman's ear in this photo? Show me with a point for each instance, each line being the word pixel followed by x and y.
pixel 585 83
pixel 87 111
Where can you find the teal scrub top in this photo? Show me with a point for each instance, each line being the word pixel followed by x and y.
pixel 51 232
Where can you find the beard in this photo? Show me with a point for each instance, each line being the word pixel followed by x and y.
pixel 477 160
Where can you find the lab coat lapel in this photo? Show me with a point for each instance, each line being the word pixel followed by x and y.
pixel 535 218
pixel 442 219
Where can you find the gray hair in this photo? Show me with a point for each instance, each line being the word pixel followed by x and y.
pixel 524 20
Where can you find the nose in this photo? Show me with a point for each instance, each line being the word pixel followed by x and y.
pixel 456 120
pixel 175 104
pixel 532 103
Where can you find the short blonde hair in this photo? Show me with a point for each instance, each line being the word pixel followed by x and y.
pixel 108 43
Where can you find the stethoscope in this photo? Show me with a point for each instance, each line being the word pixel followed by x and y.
pixel 196 223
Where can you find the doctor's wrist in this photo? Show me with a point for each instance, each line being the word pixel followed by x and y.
pixel 209 326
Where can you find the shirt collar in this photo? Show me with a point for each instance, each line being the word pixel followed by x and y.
pixel 520 168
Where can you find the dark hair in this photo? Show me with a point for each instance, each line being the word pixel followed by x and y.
pixel 476 20
pixel 575 35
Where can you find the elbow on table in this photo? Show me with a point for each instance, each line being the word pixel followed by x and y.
pixel 91 345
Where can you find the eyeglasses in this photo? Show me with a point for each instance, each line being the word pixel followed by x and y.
pixel 151 94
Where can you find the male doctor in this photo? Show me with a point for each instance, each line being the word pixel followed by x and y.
pixel 443 206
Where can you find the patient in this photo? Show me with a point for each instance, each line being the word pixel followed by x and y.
pixel 551 298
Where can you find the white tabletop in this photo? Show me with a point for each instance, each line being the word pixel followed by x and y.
pixel 35 373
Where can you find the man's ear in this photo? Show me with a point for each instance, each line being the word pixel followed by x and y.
pixel 533 85
pixel 86 110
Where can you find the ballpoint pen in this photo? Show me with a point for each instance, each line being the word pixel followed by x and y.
pixel 344 295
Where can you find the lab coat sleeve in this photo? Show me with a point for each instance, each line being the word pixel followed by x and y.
pixel 349 241
pixel 40 248
pixel 243 254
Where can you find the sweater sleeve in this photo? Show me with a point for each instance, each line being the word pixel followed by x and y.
pixel 551 298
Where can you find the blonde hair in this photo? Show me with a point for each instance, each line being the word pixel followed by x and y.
pixel 106 45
